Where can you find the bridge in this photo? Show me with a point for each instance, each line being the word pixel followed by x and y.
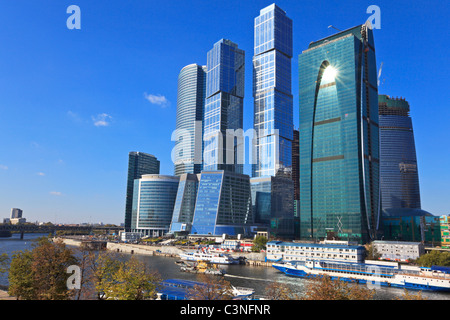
pixel 49 228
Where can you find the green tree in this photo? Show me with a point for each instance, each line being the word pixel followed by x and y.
pixel 103 269
pixel 133 281
pixel 124 280
pixel 372 253
pixel 21 280
pixel 259 243
pixel 434 258
pixel 4 262
pixel 41 273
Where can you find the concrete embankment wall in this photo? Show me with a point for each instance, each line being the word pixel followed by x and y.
pixel 252 258
pixel 144 249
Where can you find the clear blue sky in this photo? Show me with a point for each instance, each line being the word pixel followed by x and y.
pixel 73 103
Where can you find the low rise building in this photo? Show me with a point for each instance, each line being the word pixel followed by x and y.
pixel 399 250
pixel 328 250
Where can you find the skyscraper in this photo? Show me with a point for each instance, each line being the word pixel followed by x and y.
pixel 153 202
pixel 223 204
pixel 273 204
pixel 139 163
pixel 183 211
pixel 398 165
pixel 339 137
pixel 188 150
pixel 273 106
pixel 224 107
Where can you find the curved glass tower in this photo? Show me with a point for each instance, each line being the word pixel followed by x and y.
pixel 188 134
pixel 153 203
pixel 338 137
pixel 398 168
pixel 273 105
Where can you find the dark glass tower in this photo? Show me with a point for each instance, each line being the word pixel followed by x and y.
pixel 339 137
pixel 224 107
pixel 188 138
pixel 273 105
pixel 139 163
pixel 398 167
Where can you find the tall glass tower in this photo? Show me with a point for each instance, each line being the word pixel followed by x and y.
pixel 153 202
pixel 188 150
pixel 339 137
pixel 398 168
pixel 273 106
pixel 139 163
pixel 223 107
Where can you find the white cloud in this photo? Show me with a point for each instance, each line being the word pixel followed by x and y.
pixel 102 120
pixel 55 193
pixel 157 99
pixel 3 167
pixel 40 174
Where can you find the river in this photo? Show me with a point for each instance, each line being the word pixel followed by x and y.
pixel 256 277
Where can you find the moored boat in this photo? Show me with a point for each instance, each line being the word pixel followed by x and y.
pixel 389 275
pixel 212 257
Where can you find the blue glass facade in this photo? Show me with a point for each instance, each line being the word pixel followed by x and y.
pixel 273 205
pixel 153 203
pixel 183 211
pixel 188 150
pixel 339 137
pixel 398 166
pixel 139 163
pixel 223 204
pixel 224 106
pixel 273 105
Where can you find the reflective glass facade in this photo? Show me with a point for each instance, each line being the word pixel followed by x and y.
pixel 183 211
pixel 339 137
pixel 273 105
pixel 398 166
pixel 223 204
pixel 139 163
pixel 188 138
pixel 273 205
pixel 153 204
pixel 223 106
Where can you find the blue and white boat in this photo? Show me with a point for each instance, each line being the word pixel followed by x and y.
pixel 212 257
pixel 371 272
pixel 178 289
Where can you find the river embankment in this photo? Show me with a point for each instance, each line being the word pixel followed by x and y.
pixel 250 258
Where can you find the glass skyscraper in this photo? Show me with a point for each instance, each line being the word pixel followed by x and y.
pixel 273 205
pixel 153 202
pixel 273 101
pixel 188 150
pixel 339 137
pixel 139 163
pixel 223 204
pixel 183 212
pixel 398 166
pixel 223 107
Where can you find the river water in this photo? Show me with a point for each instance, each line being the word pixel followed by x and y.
pixel 256 277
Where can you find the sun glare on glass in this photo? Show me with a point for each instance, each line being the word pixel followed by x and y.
pixel 329 74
